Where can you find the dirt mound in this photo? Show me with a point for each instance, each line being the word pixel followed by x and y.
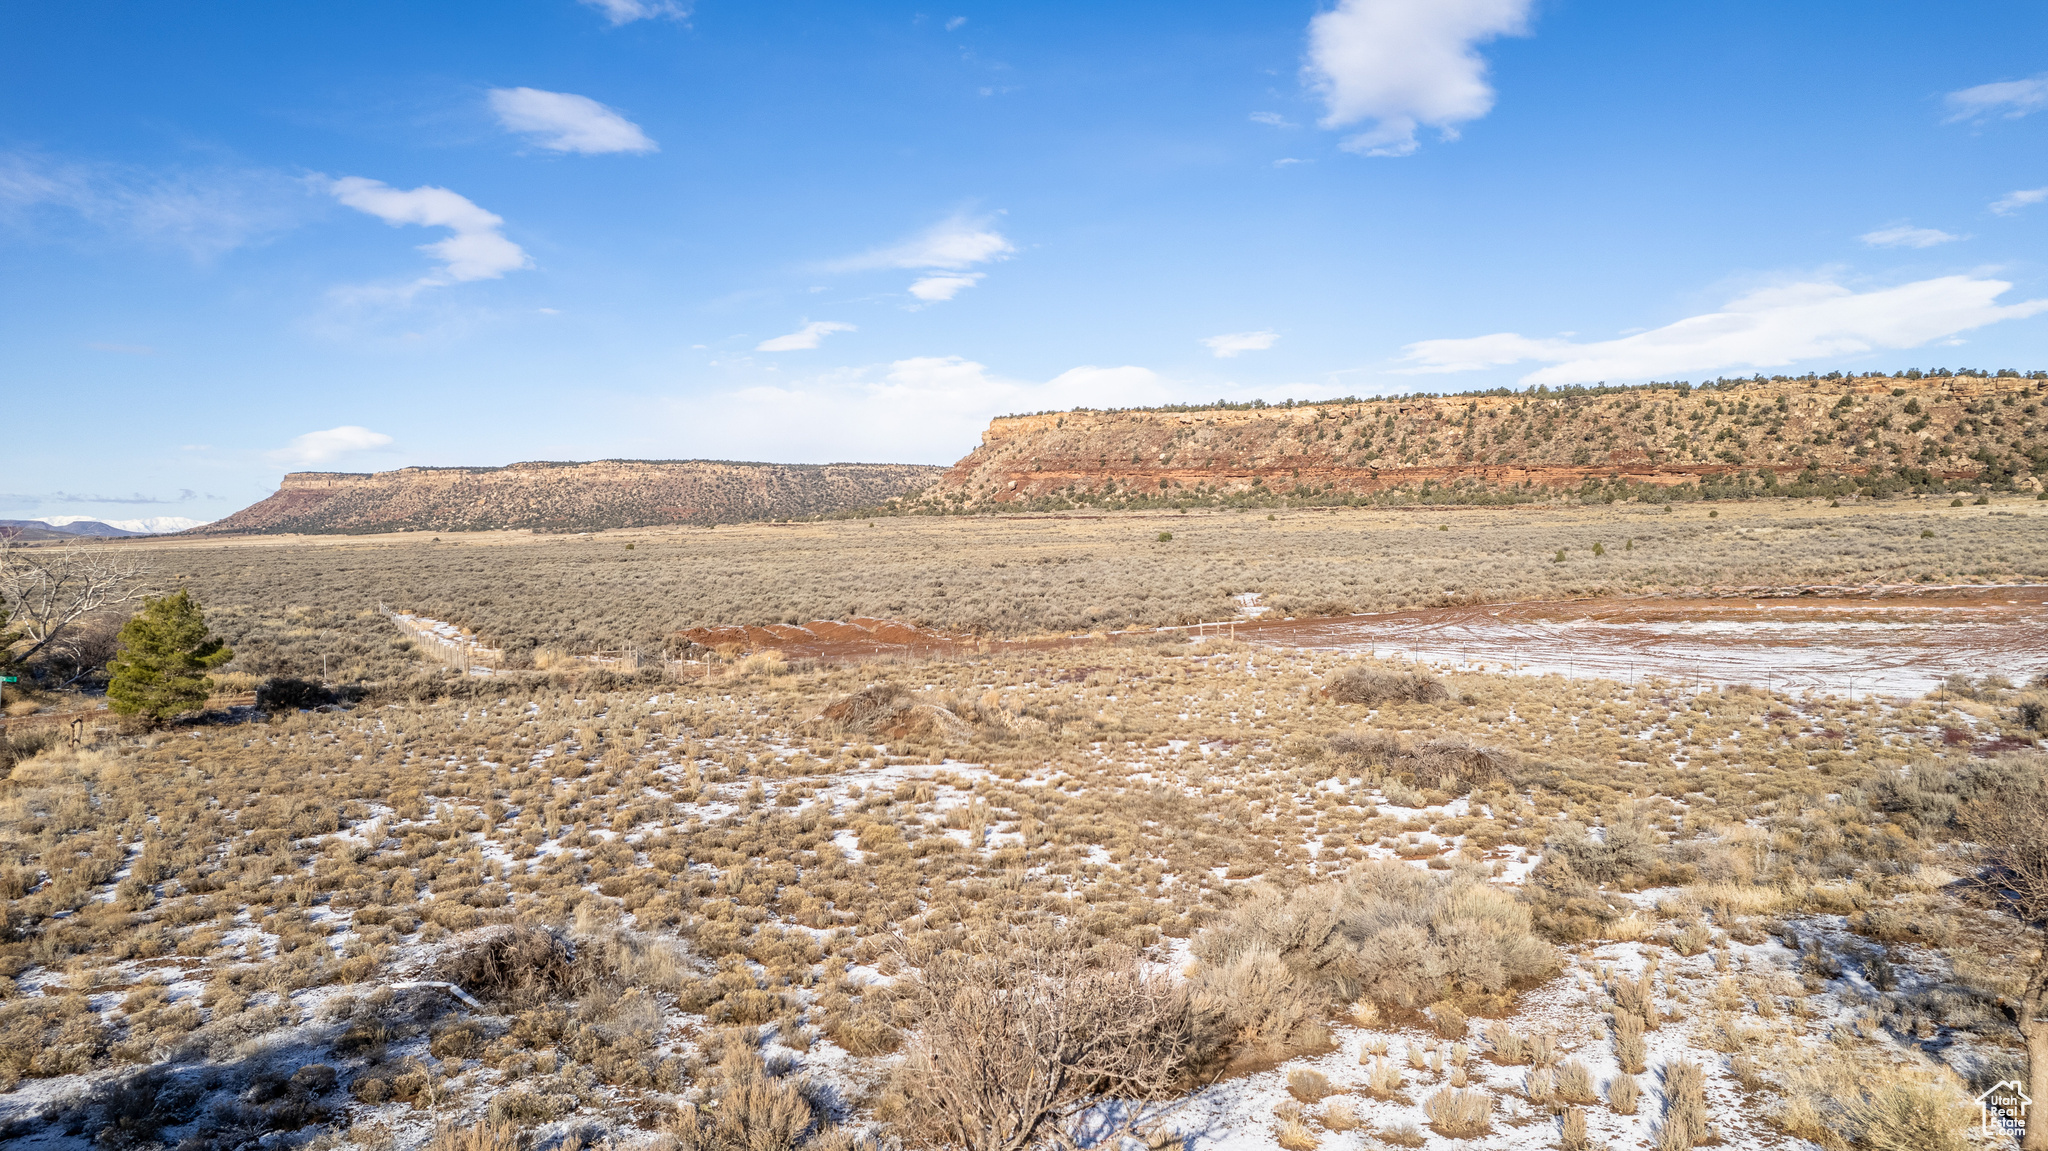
pixel 520 966
pixel 891 712
pixel 1465 764
pixel 1374 686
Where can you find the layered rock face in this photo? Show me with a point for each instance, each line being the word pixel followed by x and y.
pixel 1946 427
pixel 568 497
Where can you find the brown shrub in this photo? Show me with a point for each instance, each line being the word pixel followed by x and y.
pixel 1378 686
pixel 1455 764
pixel 521 966
pixel 1050 1027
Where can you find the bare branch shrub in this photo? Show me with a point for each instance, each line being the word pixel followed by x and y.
pixel 2008 820
pixel 1018 1037
pixel 48 590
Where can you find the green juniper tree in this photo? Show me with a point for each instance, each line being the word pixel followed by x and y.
pixel 165 652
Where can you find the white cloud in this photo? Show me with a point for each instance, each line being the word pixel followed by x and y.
pixel 944 286
pixel 476 251
pixel 1272 119
pixel 1405 63
pixel 954 244
pixel 1225 346
pixel 2012 202
pixel 1907 236
pixel 808 336
pixel 329 445
pixel 626 11
pixel 2015 98
pixel 1764 329
pixel 955 23
pixel 207 213
pixel 565 122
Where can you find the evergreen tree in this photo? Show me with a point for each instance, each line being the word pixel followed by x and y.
pixel 164 651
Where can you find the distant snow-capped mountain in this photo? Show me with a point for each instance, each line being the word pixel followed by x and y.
pixel 151 526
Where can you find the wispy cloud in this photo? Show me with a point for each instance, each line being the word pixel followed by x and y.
pixel 1272 120
pixel 1907 236
pixel 204 212
pixel 2008 98
pixel 1403 64
pixel 626 11
pixel 804 338
pixel 1234 343
pixel 185 495
pixel 2012 202
pixel 566 122
pixel 477 250
pixel 328 445
pixel 948 249
pixel 1763 329
pixel 955 243
pixel 945 286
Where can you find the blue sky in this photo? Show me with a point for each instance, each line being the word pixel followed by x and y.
pixel 243 239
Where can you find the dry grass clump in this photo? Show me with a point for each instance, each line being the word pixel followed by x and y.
pixel 750 1106
pixel 1629 1047
pixel 1843 1098
pixel 1297 1136
pixel 1622 1094
pixel 1388 933
pixel 1575 1082
pixel 1341 1116
pixel 1383 1079
pixel 486 1135
pixel 1308 1085
pixel 1572 1134
pixel 1457 1114
pixel 1403 1134
pixel 1685 1108
pixel 1506 1044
